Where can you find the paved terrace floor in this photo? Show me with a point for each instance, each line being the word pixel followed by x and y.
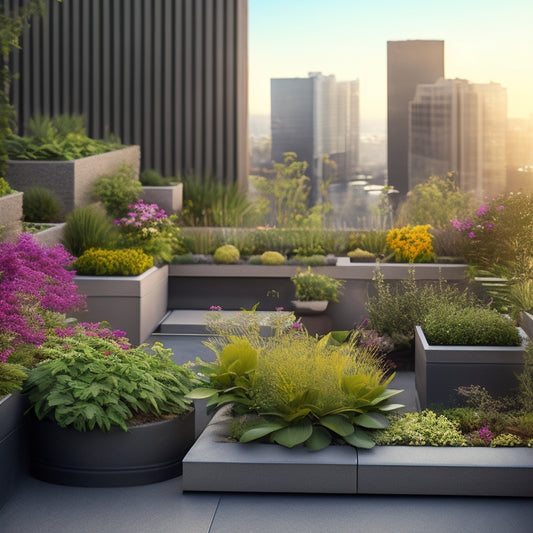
pixel 39 507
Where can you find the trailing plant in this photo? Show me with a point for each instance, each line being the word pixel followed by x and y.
pixel 95 379
pixel 310 286
pixel 33 280
pixel 421 429
pixel 122 262
pixel 411 244
pixel 305 390
pixel 41 205
pixel 118 191
pixel 88 227
pixel 450 324
pixel 226 255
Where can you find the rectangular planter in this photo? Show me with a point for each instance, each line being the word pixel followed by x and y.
pixel 169 198
pixel 133 304
pixel 526 323
pixel 71 181
pixel 439 370
pixel 10 216
pixel 216 465
pixel 50 236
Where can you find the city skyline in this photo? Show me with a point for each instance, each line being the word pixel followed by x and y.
pixel 483 42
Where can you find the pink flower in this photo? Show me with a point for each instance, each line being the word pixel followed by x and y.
pixel 490 225
pixel 215 308
pixel 472 235
pixel 279 308
pixel 482 210
pixel 297 325
pixel 501 208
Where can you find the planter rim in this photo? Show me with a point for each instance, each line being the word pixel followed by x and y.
pixel 118 279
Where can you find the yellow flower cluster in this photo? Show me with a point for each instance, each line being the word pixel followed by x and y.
pixel 411 244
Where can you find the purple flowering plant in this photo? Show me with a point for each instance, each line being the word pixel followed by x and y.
pixel 33 280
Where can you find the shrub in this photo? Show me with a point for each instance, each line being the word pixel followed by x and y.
pixel 95 379
pixel 371 241
pixel 88 227
pixel 311 287
pixel 449 324
pixel 226 255
pixel 11 378
pixel 272 258
pixel 118 191
pixel 361 255
pixel 124 262
pixel 310 261
pixel 152 178
pixel 411 244
pixel 183 259
pixel 421 429
pixel 5 189
pixel 506 440
pixel 41 205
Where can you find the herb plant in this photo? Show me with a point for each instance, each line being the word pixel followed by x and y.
pixel 312 287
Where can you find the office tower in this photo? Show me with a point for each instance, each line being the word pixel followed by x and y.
pixel 457 126
pixel 409 63
pixel 315 116
pixel 169 76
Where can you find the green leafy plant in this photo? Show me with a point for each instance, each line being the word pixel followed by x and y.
pixel 371 241
pixel 226 255
pixel 449 324
pixel 507 440
pixel 311 287
pixel 309 261
pixel 41 205
pixel 5 189
pixel 122 262
pixel 152 178
pixel 118 191
pixel 525 379
pixel 361 255
pixel 272 258
pixel 12 377
pixel 88 227
pixel 305 390
pixel 95 379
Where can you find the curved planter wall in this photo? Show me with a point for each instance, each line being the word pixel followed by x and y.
pixel 144 454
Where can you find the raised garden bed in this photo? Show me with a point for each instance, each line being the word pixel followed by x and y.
pixel 10 215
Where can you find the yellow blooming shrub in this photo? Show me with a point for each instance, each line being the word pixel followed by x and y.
pixel 122 262
pixel 411 244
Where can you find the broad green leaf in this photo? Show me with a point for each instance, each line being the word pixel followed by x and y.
pixel 293 435
pixel 260 431
pixel 372 421
pixel 301 413
pixel 360 439
pixel 340 336
pixel 338 424
pixel 201 393
pixel 390 406
pixel 239 357
pixel 319 439
pixel 386 394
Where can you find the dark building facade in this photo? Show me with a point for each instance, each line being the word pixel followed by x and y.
pixel 169 75
pixel 409 63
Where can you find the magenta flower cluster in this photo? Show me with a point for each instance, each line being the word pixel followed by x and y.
pixel 467 225
pixel 485 434
pixel 32 278
pixel 143 219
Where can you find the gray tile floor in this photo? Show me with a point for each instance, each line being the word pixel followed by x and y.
pixel 39 507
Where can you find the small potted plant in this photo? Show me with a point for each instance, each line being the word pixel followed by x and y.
pixel 315 291
pixel 107 413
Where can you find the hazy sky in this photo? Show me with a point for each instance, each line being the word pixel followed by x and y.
pixel 490 40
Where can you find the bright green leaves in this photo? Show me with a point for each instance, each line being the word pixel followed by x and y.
pixel 239 357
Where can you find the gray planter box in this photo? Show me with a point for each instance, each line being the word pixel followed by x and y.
pixel 133 304
pixel 439 370
pixel 13 443
pixel 10 216
pixel 215 465
pixel 50 236
pixel 169 198
pixel 71 181
pixel 526 323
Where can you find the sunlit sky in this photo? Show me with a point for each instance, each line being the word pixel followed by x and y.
pixel 490 40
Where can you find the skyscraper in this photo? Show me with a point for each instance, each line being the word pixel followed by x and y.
pixel 458 126
pixel 315 116
pixel 409 63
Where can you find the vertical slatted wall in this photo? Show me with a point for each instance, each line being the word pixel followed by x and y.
pixel 169 75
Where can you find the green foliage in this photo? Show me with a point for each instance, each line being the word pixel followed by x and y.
pixel 118 191
pixel 226 255
pixel 309 261
pixel 305 390
pixel 310 286
pixel 123 262
pixel 88 227
pixel 183 259
pixel 207 202
pixel 272 258
pixel 396 309
pixel 12 377
pixel 525 379
pixel 152 178
pixel 57 138
pixel 421 429
pixel 41 205
pixel 371 241
pixel 507 440
pixel 94 383
pixel 361 255
pixel 447 323
pixel 5 189
pixel 435 202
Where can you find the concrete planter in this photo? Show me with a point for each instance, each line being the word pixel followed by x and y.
pixel 215 465
pixel 10 216
pixel 13 443
pixel 144 454
pixel 526 323
pixel 169 198
pixel 50 236
pixel 71 181
pixel 133 304
pixel 439 370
